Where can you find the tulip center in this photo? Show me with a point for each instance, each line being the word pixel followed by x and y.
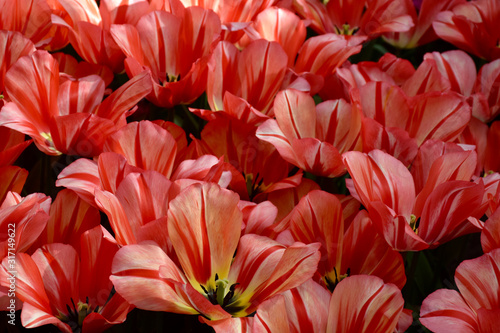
pixel 76 314
pixel 169 78
pixel 254 185
pixel 414 222
pixel 346 30
pixel 49 141
pixel 222 294
pixel 331 282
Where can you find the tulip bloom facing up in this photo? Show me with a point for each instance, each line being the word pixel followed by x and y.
pixel 69 290
pixel 475 307
pixel 204 226
pixel 361 304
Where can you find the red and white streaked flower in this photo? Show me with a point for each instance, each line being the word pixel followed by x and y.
pixel 204 226
pixel 13 46
pixel 475 307
pixel 312 137
pixel 359 303
pixel 174 48
pixel 68 289
pixel 422 32
pixel 278 25
pixel 352 17
pixel 236 15
pixel 29 17
pixel 447 206
pixel 244 84
pixel 29 216
pixel 471 27
pixel 88 27
pixel 262 167
pixel 345 250
pixel 63 114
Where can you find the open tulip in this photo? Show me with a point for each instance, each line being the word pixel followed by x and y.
pixel 204 226
pixel 61 114
pixel 312 137
pixel 448 205
pixel 72 291
pixel 174 47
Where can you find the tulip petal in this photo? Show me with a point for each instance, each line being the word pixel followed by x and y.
pixel 479 280
pixel 145 145
pixel 81 176
pixel 59 267
pixel 318 217
pixel 296 114
pixel 365 252
pixel 204 224
pixel 446 309
pixel 380 177
pixel 263 268
pixel 447 209
pixel 364 304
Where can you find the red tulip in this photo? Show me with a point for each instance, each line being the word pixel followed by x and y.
pixel 144 145
pixel 364 304
pixel 204 225
pixel 244 84
pixel 279 25
pixel 471 27
pixel 175 47
pixel 476 305
pixel 357 250
pixel 355 17
pixel 28 216
pixel 422 33
pixel 14 46
pixel 64 115
pixel 89 28
pixel 69 218
pixel 486 100
pixel 312 137
pixel 59 286
pixel 260 164
pixel 29 17
pixel 235 15
pixel 386 187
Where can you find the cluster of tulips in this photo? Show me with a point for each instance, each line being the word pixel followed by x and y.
pixel 250 165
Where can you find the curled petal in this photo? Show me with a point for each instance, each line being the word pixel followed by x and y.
pixel 363 303
pixel 446 309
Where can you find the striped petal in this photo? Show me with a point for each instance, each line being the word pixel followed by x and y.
pixel 204 225
pixel 364 304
